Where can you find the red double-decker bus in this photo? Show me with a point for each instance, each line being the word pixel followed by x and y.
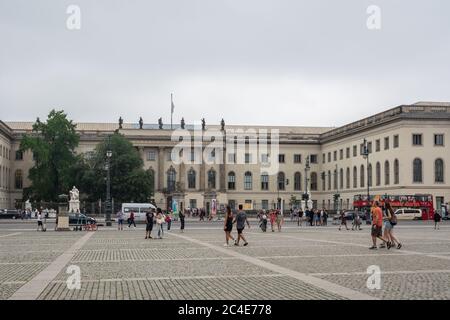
pixel 417 201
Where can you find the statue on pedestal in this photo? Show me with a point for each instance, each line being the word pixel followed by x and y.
pixel 120 122
pixel 160 123
pixel 141 122
pixel 182 123
pixel 222 125
pixel 203 124
pixel 74 203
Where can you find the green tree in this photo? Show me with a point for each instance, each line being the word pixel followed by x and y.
pixel 129 181
pixel 53 145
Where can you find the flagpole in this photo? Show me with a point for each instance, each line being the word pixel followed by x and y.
pixel 171 110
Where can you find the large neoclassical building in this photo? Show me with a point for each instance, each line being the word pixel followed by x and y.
pixel 407 146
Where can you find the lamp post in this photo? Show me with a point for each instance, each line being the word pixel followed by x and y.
pixel 108 188
pixel 306 196
pixel 365 155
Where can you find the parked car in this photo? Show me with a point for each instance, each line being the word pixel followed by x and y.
pixel 80 219
pixel 10 214
pixel 408 214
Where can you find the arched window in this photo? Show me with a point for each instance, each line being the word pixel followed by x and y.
pixel 211 179
pixel 231 180
pixel 341 179
pixel 347 178
pixel 323 180
pixel 281 181
pixel 335 177
pixel 171 179
pixel 264 181
pixel 18 179
pixel 355 177
pixel 387 173
pixel 361 178
pixel 297 181
pixel 248 181
pixel 369 174
pixel 378 174
pixel 439 170
pixel 152 181
pixel 313 181
pixel 417 170
pixel 191 178
pixel 396 172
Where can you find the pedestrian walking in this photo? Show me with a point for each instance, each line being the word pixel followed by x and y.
pixel 325 217
pixel 169 220
pixel 228 226
pixel 263 222
pixel 391 222
pixel 39 222
pixel 343 220
pixel 131 220
pixel 120 217
pixel 273 218
pixel 300 218
pixel 159 223
pixel 149 216
pixel 356 221
pixel 437 219
pixel 280 219
pixel 377 225
pixel 181 222
pixel 240 220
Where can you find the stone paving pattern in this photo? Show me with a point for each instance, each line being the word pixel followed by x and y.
pixel 122 265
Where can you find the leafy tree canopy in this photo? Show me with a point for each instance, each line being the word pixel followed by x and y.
pixel 53 145
pixel 129 181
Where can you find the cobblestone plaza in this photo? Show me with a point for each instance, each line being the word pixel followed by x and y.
pixel 300 263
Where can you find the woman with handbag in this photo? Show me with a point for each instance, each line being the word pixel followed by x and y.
pixel 391 222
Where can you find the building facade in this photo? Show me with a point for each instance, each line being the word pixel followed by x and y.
pixel 407 146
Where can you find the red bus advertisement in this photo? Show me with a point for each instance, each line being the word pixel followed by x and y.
pixel 417 201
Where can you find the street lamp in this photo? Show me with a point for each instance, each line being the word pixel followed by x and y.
pixel 108 188
pixel 306 196
pixel 365 155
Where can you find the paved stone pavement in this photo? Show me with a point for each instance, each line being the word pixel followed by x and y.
pixel 298 263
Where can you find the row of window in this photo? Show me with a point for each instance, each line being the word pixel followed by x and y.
pixel 438 140
pixel 5 152
pixel 4 177
pixel 297 158
pixel 282 182
pixel 417 174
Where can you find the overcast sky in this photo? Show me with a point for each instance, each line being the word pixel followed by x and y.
pixel 273 62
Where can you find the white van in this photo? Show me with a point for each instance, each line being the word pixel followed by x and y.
pixel 139 210
pixel 408 214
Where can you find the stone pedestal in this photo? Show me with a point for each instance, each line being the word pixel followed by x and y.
pixel 74 205
pixel 63 216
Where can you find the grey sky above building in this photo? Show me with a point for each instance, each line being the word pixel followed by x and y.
pixel 273 62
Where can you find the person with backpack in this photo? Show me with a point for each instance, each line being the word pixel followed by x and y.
pixel 391 222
